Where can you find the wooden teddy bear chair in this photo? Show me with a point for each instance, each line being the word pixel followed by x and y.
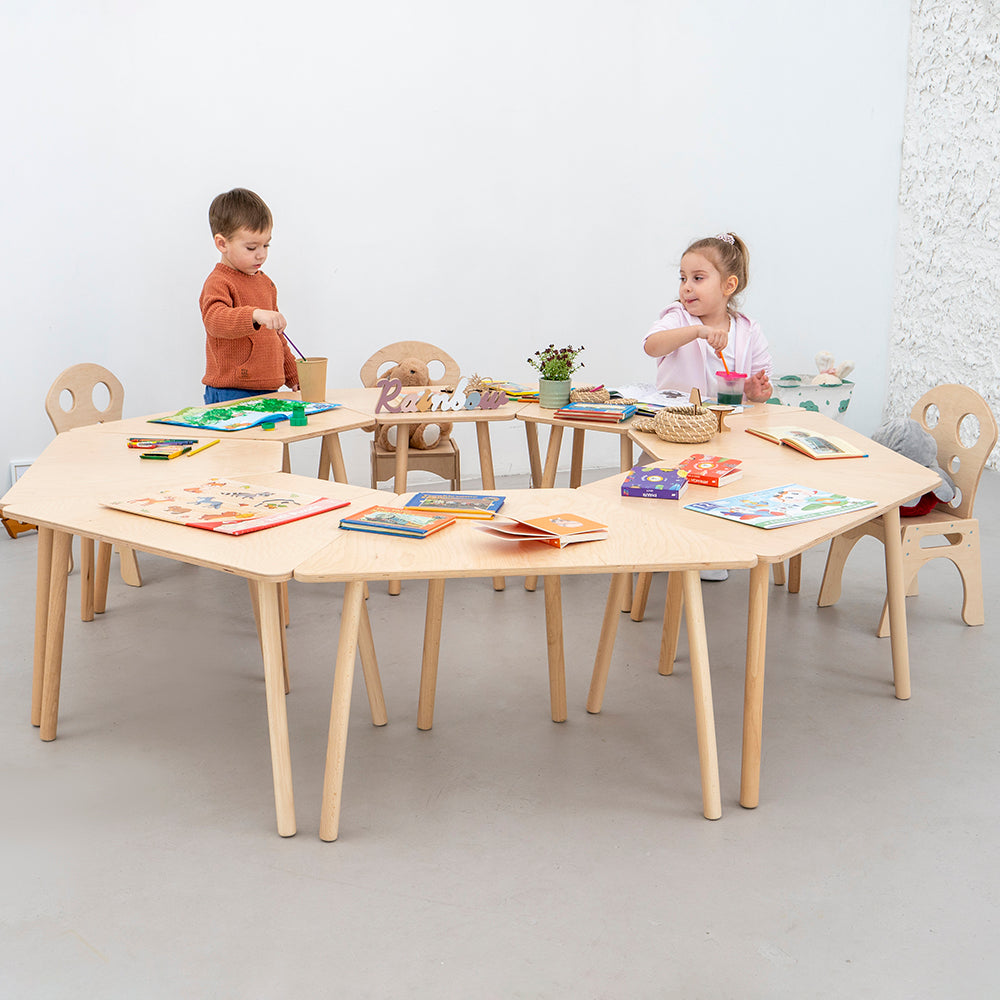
pixel 80 383
pixel 954 406
pixel 442 458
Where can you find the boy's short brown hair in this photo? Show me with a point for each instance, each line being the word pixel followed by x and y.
pixel 239 209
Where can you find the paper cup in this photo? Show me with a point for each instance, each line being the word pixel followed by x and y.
pixel 312 379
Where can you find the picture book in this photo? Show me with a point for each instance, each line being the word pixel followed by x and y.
pixel 605 412
pixel 710 470
pixel 397 521
pixel 659 480
pixel 559 530
pixel 472 505
pixel 242 413
pixel 780 505
pixel 228 506
pixel 811 443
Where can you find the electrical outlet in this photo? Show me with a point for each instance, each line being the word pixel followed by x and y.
pixel 19 468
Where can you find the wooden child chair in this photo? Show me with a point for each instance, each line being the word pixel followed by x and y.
pixel 954 405
pixel 80 382
pixel 443 458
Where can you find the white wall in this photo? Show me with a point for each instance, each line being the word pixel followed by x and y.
pixel 489 177
pixel 947 308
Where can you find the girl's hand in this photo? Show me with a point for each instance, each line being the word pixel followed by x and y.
pixel 758 388
pixel 269 320
pixel 717 336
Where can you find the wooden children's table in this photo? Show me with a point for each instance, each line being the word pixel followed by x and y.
pixel 884 476
pixel 61 493
pixel 637 540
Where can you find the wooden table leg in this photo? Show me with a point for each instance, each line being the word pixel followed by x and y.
pixel 369 670
pixel 340 711
pixel 331 457
pixel 273 649
pixel 554 641
pixel 534 458
pixel 43 583
pixel 896 599
pixel 576 461
pixel 753 689
pixel 54 628
pixel 671 624
pixel 399 478
pixel 286 459
pixel 102 571
pixel 795 573
pixel 701 681
pixel 432 651
pixel 486 472
pixel 606 644
pixel 86 579
pixel 255 605
pixel 548 479
pixel 625 454
pixel 641 595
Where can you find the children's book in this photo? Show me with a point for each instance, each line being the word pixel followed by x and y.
pixel 659 480
pixel 471 505
pixel 710 470
pixel 241 413
pixel 811 443
pixel 559 530
pixel 397 521
pixel 228 506
pixel 604 412
pixel 780 505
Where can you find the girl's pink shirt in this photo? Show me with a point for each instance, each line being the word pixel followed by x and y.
pixel 695 364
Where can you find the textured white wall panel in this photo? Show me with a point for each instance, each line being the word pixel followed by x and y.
pixel 946 313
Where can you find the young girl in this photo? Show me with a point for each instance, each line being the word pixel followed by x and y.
pixel 690 332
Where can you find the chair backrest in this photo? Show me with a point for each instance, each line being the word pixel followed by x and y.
pixel 963 462
pixel 391 355
pixel 80 381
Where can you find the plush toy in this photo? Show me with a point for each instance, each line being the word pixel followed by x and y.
pixel 906 436
pixel 410 371
pixel 830 374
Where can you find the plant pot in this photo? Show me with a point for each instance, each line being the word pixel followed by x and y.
pixel 553 393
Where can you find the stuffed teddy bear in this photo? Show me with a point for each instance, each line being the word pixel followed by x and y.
pixel 905 436
pixel 410 371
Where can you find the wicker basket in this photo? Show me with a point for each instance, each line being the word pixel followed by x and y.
pixel 682 424
pixel 588 394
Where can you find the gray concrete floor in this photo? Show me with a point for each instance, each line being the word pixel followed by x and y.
pixel 501 855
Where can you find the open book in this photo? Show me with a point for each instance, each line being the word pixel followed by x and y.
pixel 553 529
pixel 228 506
pixel 811 443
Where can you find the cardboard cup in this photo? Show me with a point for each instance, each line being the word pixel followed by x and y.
pixel 312 379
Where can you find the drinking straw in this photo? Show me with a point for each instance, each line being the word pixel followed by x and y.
pixel 292 346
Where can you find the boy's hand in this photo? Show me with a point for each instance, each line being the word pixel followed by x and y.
pixel 717 336
pixel 758 387
pixel 269 320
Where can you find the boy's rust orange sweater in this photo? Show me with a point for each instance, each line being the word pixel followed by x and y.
pixel 238 354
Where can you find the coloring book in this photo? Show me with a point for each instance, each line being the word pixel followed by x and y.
pixel 780 505
pixel 228 506
pixel 241 413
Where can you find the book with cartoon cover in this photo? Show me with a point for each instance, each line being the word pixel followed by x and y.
pixel 780 506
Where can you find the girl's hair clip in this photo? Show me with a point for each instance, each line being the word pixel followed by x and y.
pixel 726 238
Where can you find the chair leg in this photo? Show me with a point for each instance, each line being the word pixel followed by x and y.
pixel 970 569
pixel 836 557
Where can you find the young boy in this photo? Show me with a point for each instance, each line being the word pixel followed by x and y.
pixel 245 354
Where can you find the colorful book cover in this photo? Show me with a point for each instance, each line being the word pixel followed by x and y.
pixel 780 505
pixel 474 505
pixel 396 521
pixel 228 506
pixel 553 529
pixel 241 413
pixel 657 481
pixel 596 411
pixel 710 470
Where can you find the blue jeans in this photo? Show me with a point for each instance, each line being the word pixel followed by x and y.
pixel 214 395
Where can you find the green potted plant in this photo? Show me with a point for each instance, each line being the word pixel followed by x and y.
pixel 555 365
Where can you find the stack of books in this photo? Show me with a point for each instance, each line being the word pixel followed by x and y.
pixel 608 413
pixel 710 470
pixel 396 521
